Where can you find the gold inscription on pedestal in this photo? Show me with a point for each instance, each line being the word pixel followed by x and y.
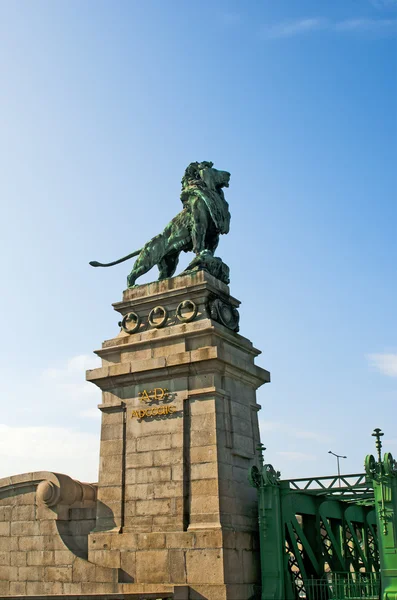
pixel 156 394
pixel 152 397
pixel 153 412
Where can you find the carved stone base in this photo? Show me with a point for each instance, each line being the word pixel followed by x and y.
pixel 179 432
pixel 173 513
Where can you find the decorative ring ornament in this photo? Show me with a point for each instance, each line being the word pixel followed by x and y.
pixel 270 475
pixel 389 464
pixel 370 465
pixel 131 317
pixel 255 477
pixel 158 310
pixel 191 306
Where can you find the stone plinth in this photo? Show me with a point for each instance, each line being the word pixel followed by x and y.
pixel 179 431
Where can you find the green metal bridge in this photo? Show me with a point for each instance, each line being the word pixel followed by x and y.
pixel 329 538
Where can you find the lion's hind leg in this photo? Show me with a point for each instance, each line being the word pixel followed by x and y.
pixel 167 265
pixel 150 255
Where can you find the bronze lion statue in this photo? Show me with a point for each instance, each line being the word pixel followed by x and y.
pixel 204 216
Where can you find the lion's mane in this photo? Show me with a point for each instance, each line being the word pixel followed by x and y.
pixel 194 186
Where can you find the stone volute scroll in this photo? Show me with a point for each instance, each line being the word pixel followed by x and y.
pixel 62 489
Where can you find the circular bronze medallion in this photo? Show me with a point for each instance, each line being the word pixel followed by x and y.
pixel 132 318
pixel 186 311
pixel 158 317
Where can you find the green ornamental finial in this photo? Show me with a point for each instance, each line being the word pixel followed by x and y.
pixel 261 449
pixel 205 215
pixel 380 472
pixel 378 434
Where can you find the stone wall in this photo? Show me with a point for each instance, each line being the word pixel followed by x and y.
pixel 45 521
pixel 44 546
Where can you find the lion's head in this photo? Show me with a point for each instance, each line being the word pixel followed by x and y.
pixel 202 174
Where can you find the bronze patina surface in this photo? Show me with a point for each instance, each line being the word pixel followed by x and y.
pixel 205 215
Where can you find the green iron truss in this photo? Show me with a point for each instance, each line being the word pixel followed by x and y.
pixel 320 537
pixel 346 487
pixel 324 533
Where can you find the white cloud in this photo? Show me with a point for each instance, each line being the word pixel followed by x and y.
pixel 288 29
pixel 74 366
pixel 90 413
pixel 384 3
pixel 315 436
pixel 292 431
pixel 367 25
pixel 55 394
pixel 68 382
pixel 59 449
pixel 230 19
pixel 51 421
pixel 385 363
pixel 297 455
pixel 292 28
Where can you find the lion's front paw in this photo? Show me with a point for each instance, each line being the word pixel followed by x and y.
pixel 205 254
pixel 131 281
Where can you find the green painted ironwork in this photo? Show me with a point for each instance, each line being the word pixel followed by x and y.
pixel 310 528
pixel 272 552
pixel 329 538
pixel 382 473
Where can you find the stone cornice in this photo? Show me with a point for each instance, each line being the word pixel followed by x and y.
pixel 181 284
pixel 208 359
pixel 137 341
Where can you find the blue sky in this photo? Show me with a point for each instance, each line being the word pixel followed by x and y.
pixel 102 106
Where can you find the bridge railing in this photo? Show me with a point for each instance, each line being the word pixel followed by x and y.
pixel 342 586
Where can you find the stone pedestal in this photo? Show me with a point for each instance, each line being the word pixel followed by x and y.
pixel 179 431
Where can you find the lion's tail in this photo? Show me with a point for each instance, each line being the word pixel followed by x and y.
pixel 95 263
